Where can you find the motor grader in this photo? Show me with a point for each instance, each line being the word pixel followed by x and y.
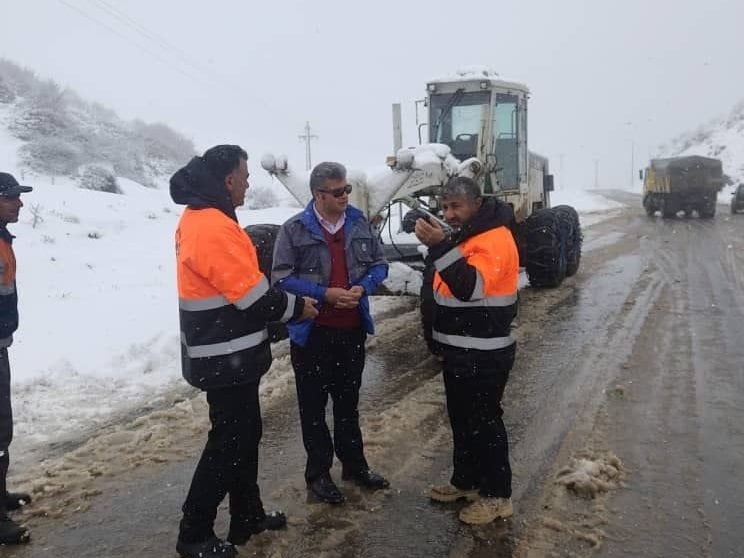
pixel 477 127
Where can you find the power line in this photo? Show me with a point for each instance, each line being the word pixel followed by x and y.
pixel 165 45
pixel 151 36
pixel 87 16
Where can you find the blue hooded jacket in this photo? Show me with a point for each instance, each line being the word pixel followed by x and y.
pixel 302 262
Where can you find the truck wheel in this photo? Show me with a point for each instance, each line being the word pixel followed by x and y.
pixel 708 211
pixel 263 238
pixel 570 225
pixel 649 206
pixel 546 249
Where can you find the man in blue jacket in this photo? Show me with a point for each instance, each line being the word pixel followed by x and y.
pixel 330 253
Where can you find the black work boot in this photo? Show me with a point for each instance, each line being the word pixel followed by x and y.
pixel 211 548
pixel 326 490
pixel 242 529
pixel 11 532
pixel 367 478
pixel 16 500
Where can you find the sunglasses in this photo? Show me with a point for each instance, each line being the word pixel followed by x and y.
pixel 337 193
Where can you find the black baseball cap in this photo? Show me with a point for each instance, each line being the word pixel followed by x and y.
pixel 9 186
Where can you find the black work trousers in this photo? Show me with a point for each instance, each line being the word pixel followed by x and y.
pixel 481 445
pixel 6 424
pixel 228 464
pixel 331 363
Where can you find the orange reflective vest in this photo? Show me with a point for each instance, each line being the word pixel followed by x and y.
pixel 225 302
pixel 8 294
pixel 481 319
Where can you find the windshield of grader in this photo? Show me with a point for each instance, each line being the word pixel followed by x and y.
pixel 459 120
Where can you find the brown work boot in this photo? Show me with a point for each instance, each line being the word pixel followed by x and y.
pixel 486 510
pixel 449 493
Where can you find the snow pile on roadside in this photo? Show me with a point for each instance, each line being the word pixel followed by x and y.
pixel 592 206
pixel 403 279
pixel 587 475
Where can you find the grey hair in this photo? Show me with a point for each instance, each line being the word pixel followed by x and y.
pixel 462 186
pixel 326 171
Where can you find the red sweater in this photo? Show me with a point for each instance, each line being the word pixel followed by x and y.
pixel 328 315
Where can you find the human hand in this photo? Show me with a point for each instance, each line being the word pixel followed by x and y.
pixel 334 294
pixel 429 233
pixel 351 298
pixel 308 311
pixel 357 291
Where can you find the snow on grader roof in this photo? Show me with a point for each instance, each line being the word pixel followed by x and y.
pixel 481 73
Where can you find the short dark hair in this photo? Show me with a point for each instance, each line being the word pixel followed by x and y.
pixel 326 171
pixel 224 159
pixel 462 186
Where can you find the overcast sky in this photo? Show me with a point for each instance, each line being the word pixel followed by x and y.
pixel 605 76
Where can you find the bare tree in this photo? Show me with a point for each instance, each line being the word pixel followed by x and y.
pixel 36 215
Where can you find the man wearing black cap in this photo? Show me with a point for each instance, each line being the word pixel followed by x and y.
pixel 10 205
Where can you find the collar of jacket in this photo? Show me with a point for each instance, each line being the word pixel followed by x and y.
pixel 5 235
pixel 492 214
pixel 311 222
pixel 196 187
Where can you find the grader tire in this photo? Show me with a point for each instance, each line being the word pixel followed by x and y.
pixel 546 237
pixel 263 238
pixel 570 225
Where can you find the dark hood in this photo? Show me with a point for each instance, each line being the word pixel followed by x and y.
pixel 195 186
pixel 493 213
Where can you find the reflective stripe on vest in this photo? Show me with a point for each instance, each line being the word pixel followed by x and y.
pixel 7 289
pixel 218 301
pixel 260 289
pixel 448 259
pixel 197 305
pixel 482 344
pixel 291 300
pixel 489 301
pixel 226 348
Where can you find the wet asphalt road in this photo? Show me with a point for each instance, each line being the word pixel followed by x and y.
pixel 657 306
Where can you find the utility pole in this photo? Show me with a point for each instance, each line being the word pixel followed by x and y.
pixel 307 137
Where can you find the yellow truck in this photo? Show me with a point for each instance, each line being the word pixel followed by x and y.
pixel 684 184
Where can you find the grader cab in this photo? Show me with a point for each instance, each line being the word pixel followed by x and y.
pixel 477 127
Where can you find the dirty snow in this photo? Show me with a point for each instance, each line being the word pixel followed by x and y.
pixel 588 475
pixel 592 206
pixel 403 280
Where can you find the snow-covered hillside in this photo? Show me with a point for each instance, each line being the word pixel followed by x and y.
pixel 722 138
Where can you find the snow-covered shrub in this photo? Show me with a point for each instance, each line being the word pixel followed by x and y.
pixel 50 155
pixel 262 198
pixel 99 179
pixel 7 95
